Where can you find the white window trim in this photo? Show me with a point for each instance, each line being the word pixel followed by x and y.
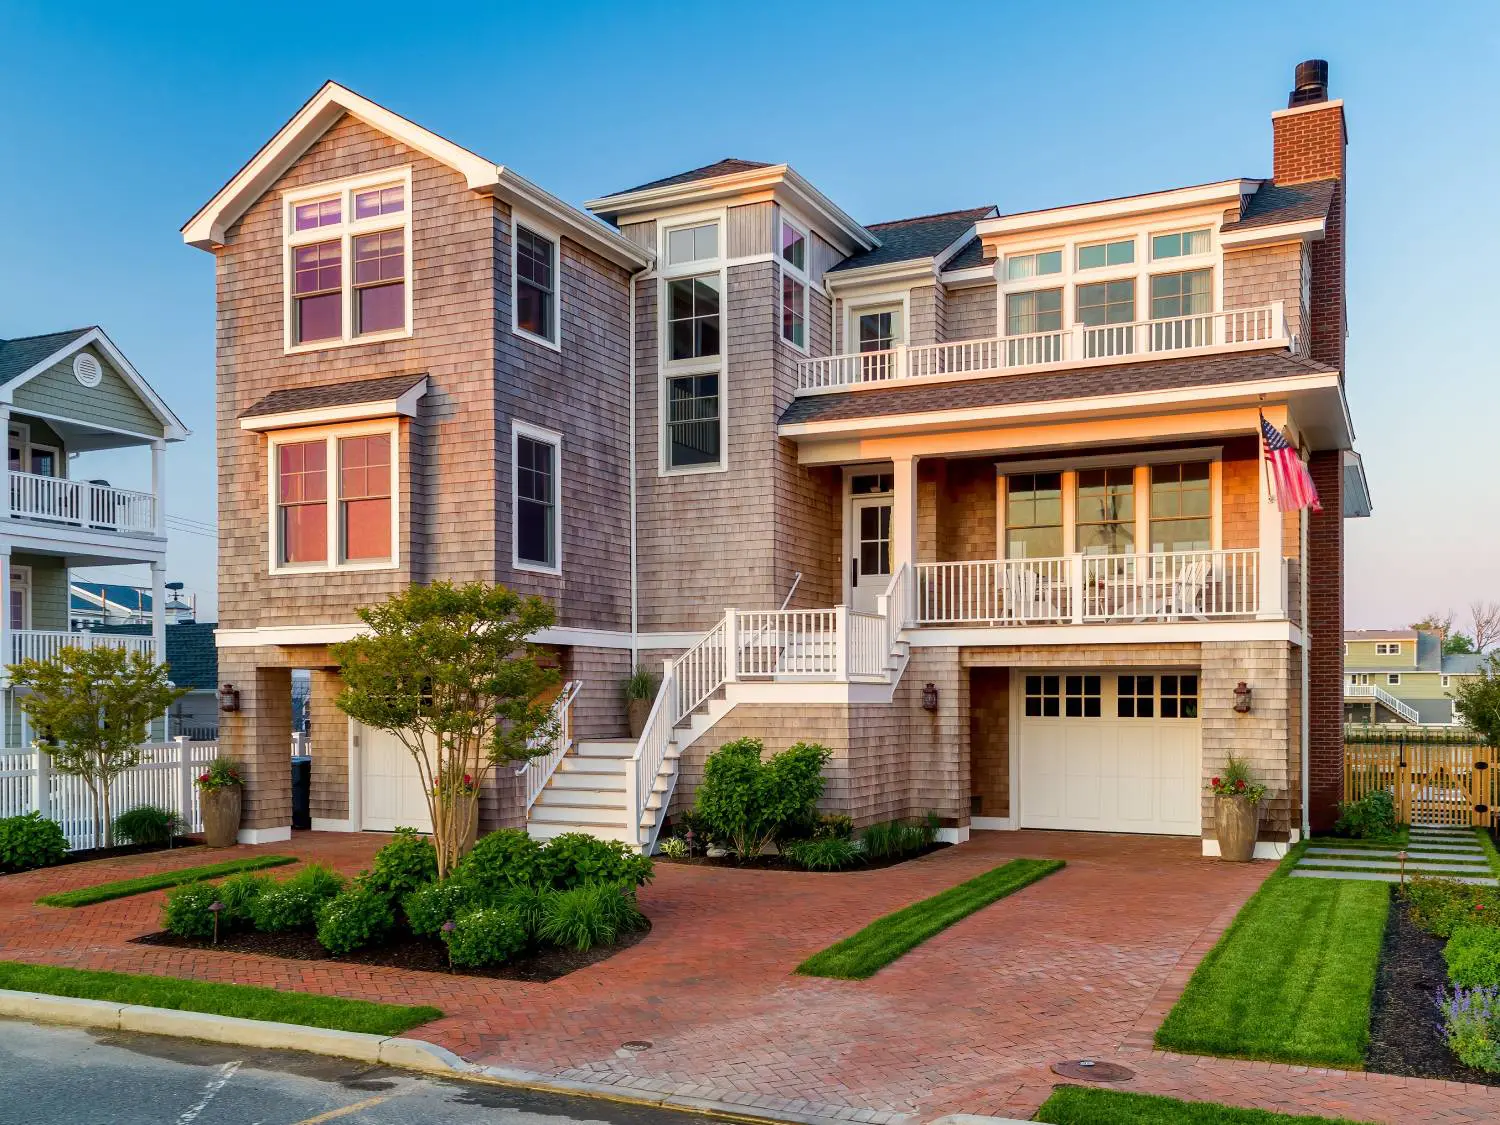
pixel 1447 681
pixel 1132 265
pixel 1388 648
pixel 518 430
pixel 1191 229
pixel 345 232
pixel 668 369
pixel 1393 679
pixel 518 219
pixel 330 435
pixel 1038 280
pixel 803 276
pixel 26 445
pixel 854 307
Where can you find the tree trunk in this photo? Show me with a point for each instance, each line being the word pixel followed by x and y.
pixel 109 822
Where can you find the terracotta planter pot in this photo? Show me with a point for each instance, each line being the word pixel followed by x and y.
pixel 1237 823
pixel 221 816
pixel 637 711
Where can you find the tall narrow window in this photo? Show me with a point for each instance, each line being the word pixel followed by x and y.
pixel 302 502
pixel 793 283
pixel 536 501
pixel 692 421
pixel 380 281
pixel 318 290
pixel 1106 511
pixel 693 317
pixel 365 497
pixel 1181 519
pixel 536 291
pixel 1033 516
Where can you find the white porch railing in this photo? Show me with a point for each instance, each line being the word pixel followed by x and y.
pixel 1234 328
pixel 1090 588
pixel 539 770
pixel 80 503
pixel 44 644
pixel 786 642
pixel 650 754
pixel 164 778
pixel 1385 699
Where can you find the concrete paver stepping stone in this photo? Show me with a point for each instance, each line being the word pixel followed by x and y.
pixel 1381 876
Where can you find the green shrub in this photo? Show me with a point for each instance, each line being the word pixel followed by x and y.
pixel 1473 956
pixel 409 861
pixel 294 904
pixel 1372 817
pixel 238 894
pixel 674 847
pixel 427 908
pixel 588 915
pixel 572 859
pixel 147 824
pixel 487 935
pixel 528 904
pixel 831 853
pixel 746 802
pixel 892 839
pixel 499 860
pixel 1440 905
pixel 187 912
pixel 29 841
pixel 353 919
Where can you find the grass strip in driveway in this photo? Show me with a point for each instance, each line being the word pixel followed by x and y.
pixel 1080 1105
pixel 123 888
pixel 864 954
pixel 1292 978
pixel 241 1000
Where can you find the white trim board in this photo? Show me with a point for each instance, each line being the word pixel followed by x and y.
pixel 265 835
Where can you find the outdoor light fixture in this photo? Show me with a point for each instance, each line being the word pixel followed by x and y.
pixel 929 697
pixel 229 698
pixel 1242 698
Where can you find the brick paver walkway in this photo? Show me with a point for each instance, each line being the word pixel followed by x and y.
pixel 1084 963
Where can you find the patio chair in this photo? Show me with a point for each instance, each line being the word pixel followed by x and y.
pixel 1186 590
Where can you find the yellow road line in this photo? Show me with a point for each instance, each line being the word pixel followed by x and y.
pixel 346 1110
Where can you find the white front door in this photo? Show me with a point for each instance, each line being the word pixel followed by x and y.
pixel 870 566
pixel 391 794
pixel 1110 752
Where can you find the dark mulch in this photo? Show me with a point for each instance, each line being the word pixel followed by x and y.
pixel 84 855
pixel 781 863
pixel 537 966
pixel 1406 1034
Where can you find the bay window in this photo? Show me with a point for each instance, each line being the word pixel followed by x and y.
pixel 365 496
pixel 302 487
pixel 333 495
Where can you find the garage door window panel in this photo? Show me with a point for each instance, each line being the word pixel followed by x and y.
pixel 1135 697
pixel 1043 697
pixel 1179 697
pixel 1082 697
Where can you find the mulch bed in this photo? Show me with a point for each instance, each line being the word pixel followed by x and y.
pixel 1406 1035
pixel 781 863
pixel 537 966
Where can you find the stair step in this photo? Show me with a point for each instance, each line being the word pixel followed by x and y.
pixel 575 814
pixel 613 781
pixel 606 748
pixel 607 767
pixel 579 798
pixel 546 831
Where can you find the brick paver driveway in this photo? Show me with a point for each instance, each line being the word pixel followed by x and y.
pixel 1084 963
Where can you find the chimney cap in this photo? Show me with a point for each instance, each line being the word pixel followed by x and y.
pixel 1309 84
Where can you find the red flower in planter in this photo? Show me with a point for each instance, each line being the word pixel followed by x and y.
pixel 1215 781
pixel 1240 784
pixel 203 777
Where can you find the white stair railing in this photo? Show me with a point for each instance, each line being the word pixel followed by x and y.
pixel 700 671
pixel 646 763
pixel 1385 699
pixel 539 770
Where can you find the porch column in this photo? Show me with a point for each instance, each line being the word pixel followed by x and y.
pixel 159 483
pixel 7 646
pixel 904 513
pixel 159 609
pixel 1272 590
pixel 5 493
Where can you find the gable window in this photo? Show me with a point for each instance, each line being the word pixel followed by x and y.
pixel 1101 254
pixel 793 284
pixel 1181 504
pixel 535 272
pixel 535 461
pixel 1019 267
pixel 1033 516
pixel 1106 511
pixel 348 249
pixel 334 498
pixel 1182 244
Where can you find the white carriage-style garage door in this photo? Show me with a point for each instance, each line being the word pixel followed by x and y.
pixel 391 794
pixel 1110 751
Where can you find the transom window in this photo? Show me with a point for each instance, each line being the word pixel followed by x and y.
pixel 335 518
pixel 348 249
pixel 1018 267
pixel 693 244
pixel 1135 697
pixel 1043 697
pixel 536 284
pixel 1033 516
pixel 693 420
pixel 1106 511
pixel 872 484
pixel 1181 244
pixel 536 455
pixel 1100 254
pixel 1039 311
pixel 1179 697
pixel 1181 507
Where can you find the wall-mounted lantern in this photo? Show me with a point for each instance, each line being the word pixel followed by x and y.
pixel 930 697
pixel 1242 698
pixel 229 698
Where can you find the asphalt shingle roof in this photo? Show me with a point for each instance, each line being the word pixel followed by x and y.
pixel 334 394
pixel 191 655
pixel 1127 378
pixel 125 597
pixel 726 167
pixel 1285 203
pixel 25 352
pixel 970 256
pixel 906 240
pixel 1464 663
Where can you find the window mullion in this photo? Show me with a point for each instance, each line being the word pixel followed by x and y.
pixel 334 492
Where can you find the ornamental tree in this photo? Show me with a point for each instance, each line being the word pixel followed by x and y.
pixel 91 708
pixel 449 672
pixel 1478 701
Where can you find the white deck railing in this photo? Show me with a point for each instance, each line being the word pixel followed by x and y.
pixel 646 763
pixel 1385 699
pixel 164 778
pixel 44 644
pixel 1259 326
pixel 1081 589
pixel 80 504
pixel 539 770
pixel 786 643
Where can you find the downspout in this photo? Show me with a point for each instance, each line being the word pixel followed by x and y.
pixel 635 651
pixel 1302 596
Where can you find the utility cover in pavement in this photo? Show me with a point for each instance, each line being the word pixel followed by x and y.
pixel 1090 1070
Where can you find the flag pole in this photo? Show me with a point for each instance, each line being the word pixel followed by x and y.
pixel 1264 460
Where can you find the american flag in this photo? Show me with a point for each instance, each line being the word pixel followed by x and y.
pixel 1294 484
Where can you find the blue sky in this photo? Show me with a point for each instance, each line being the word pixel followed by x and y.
pixel 118 121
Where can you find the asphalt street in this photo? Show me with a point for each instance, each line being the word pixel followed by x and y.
pixel 67 1076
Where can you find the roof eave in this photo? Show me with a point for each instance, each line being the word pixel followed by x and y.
pixel 1223 191
pixel 1305 230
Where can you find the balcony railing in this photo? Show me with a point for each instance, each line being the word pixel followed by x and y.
pixel 1236 328
pixel 79 503
pixel 44 644
pixel 1385 699
pixel 1087 589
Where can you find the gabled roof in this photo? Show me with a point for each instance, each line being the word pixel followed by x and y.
pixel 1380 634
pixel 915 239
pixel 209 227
pixel 1274 204
pixel 91 597
pixel 726 167
pixel 1464 663
pixel 20 355
pixel 363 398
pixel 969 256
pixel 192 658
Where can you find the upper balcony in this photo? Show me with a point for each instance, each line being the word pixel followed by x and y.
pixel 1255 328
pixel 93 506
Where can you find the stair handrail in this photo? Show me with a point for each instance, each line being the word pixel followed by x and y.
pixel 650 753
pixel 895 605
pixel 539 770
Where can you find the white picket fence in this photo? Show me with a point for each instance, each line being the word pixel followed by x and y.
pixel 164 778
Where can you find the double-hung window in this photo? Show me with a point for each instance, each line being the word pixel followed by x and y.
pixel 535 274
pixel 334 499
pixel 692 323
pixel 793 251
pixel 536 464
pixel 348 256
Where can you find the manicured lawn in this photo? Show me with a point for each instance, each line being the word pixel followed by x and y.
pixel 1079 1105
pixel 1489 848
pixel 244 1001
pixel 103 892
pixel 885 939
pixel 1292 977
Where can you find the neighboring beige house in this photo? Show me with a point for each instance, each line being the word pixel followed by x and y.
pixel 978 500
pixel 1403 676
pixel 63 395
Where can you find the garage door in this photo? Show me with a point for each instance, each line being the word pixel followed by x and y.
pixel 391 793
pixel 1110 752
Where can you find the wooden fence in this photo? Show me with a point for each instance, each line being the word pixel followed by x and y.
pixel 1447 781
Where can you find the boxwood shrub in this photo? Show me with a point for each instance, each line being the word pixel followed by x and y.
pixel 486 935
pixel 354 919
pixel 30 841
